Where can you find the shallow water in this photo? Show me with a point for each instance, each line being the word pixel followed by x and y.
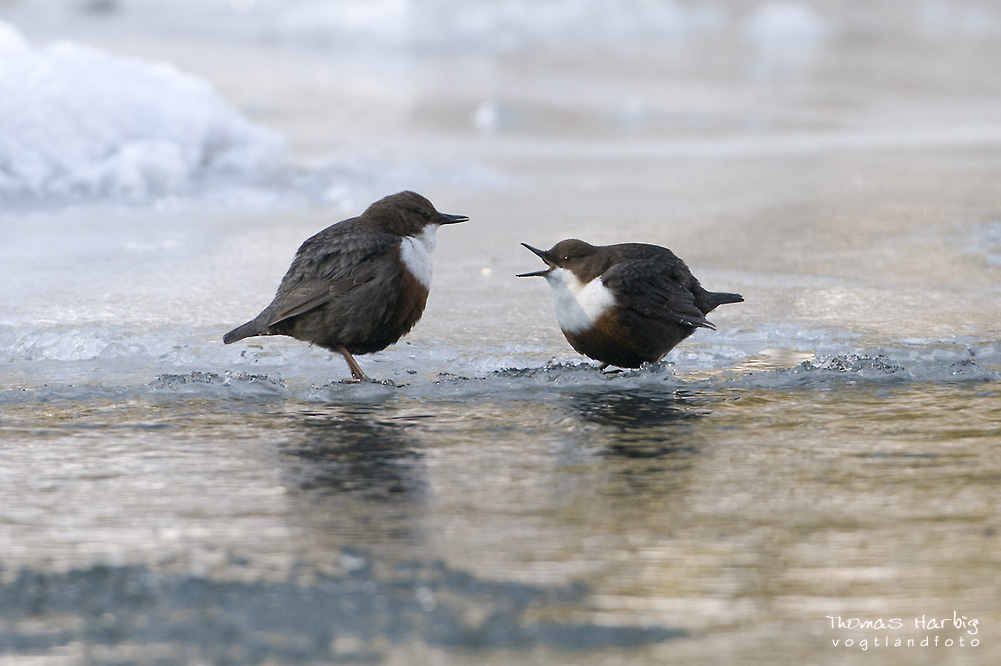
pixel 831 450
pixel 580 517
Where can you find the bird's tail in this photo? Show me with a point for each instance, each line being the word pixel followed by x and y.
pixel 248 330
pixel 719 298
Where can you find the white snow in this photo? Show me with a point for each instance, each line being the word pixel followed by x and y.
pixel 78 123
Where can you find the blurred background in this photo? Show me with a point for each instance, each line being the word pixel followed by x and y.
pixel 343 77
pixel 831 450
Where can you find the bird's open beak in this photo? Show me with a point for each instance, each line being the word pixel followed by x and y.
pixel 542 254
pixel 445 218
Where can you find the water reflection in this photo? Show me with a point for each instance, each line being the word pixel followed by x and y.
pixel 355 477
pixel 642 424
pixel 378 503
pixel 352 451
pixel 642 447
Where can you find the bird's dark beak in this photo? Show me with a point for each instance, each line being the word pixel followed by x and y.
pixel 542 254
pixel 445 218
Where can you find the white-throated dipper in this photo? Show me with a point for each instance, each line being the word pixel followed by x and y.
pixel 359 285
pixel 625 304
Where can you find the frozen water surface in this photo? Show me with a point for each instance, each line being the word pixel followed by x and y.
pixel 831 450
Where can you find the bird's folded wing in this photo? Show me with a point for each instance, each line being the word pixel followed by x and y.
pixel 653 293
pixel 330 265
pixel 311 294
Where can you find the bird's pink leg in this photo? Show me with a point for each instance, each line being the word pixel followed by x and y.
pixel 356 371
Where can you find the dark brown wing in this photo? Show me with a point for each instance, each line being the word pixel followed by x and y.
pixel 310 294
pixel 657 289
pixel 331 263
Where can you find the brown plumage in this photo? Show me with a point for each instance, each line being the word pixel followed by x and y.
pixel 359 285
pixel 625 304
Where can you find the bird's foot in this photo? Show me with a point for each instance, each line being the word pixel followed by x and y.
pixel 357 374
pixel 368 380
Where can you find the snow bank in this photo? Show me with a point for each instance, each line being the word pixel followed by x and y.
pixel 76 123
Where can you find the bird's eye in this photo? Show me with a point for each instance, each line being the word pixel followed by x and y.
pixel 566 257
pixel 427 215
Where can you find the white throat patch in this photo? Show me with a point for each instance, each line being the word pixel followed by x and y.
pixel 415 251
pixel 578 305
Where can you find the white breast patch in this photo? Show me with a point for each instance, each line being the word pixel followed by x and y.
pixel 415 251
pixel 578 305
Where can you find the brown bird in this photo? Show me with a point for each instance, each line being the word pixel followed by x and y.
pixel 625 304
pixel 359 285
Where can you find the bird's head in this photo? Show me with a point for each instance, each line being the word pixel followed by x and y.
pixel 408 214
pixel 573 255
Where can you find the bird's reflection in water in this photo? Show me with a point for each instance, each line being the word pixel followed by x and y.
pixel 353 451
pixel 641 452
pixel 643 424
pixel 355 478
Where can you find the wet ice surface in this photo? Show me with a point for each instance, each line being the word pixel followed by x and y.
pixel 832 449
